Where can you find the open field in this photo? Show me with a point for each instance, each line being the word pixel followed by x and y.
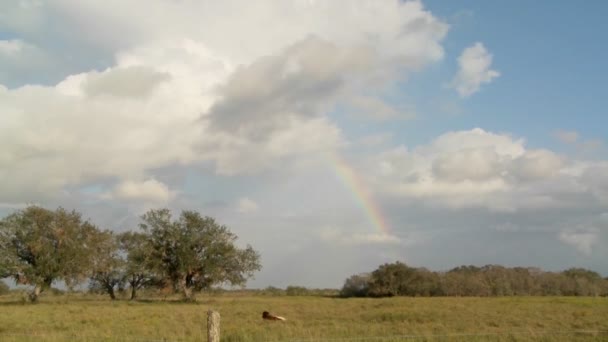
pixel 92 318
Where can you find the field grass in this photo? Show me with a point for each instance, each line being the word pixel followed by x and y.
pixel 92 318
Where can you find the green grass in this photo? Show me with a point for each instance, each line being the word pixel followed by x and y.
pixel 92 318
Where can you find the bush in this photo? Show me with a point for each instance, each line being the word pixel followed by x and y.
pixel 4 289
pixel 356 286
pixel 296 291
pixel 273 291
pixel 56 292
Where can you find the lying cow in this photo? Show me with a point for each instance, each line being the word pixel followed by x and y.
pixel 268 316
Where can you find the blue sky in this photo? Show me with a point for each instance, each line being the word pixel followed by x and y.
pixel 550 57
pixel 477 127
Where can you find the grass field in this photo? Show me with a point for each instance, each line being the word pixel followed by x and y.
pixel 90 318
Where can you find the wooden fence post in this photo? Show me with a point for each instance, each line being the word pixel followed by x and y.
pixel 213 326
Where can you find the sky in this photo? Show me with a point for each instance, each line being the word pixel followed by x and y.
pixel 332 136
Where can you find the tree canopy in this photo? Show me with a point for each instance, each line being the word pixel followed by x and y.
pixel 138 267
pixel 107 263
pixel 195 252
pixel 39 246
pixel 399 279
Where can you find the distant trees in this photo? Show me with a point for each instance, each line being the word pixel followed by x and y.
pixel 398 279
pixel 293 290
pixel 39 247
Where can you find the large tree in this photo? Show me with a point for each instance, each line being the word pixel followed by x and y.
pixel 138 264
pixel 195 252
pixel 107 264
pixel 39 246
pixel 392 280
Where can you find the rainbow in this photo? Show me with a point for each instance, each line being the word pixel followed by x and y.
pixel 357 186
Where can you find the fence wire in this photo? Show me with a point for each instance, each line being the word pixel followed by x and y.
pixel 537 333
pixel 449 335
pixel 52 337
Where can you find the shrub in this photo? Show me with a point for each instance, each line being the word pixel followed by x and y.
pixel 356 286
pixel 296 291
pixel 4 289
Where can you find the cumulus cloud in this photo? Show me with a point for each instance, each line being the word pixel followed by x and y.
pixel 238 97
pixel 477 168
pixel 20 59
pixel 300 82
pixel 11 47
pixel 568 137
pixel 135 81
pixel 474 70
pixel 595 177
pixel 374 108
pixel 583 241
pixel 338 236
pixel 149 190
pixel 247 206
pixel 407 32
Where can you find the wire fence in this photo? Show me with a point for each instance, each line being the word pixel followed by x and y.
pixel 72 337
pixel 537 334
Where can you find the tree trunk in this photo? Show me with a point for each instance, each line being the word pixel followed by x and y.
pixel 110 290
pixel 187 290
pixel 133 291
pixel 35 293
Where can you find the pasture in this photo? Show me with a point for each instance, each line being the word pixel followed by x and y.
pixel 78 317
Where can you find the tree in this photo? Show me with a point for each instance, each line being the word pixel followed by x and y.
pixel 392 280
pixel 293 290
pixel 356 286
pixel 424 283
pixel 583 282
pixel 39 246
pixel 107 265
pixel 138 265
pixel 195 252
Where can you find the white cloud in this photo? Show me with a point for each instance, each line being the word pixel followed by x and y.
pixel 535 165
pixel 375 108
pixel 474 70
pixel 149 190
pixel 301 81
pixel 595 178
pixel 240 94
pixel 376 139
pixel 134 81
pixel 247 206
pixel 337 236
pixel 568 137
pixel 11 47
pixel 21 59
pixel 13 205
pixel 583 241
pixel 477 168
pixel 406 31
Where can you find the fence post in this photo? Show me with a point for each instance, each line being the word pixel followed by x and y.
pixel 213 326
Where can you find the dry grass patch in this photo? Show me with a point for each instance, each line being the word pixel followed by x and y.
pixel 89 318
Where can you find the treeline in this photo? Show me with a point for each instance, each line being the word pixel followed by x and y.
pixel 398 279
pixel 293 290
pixel 190 253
